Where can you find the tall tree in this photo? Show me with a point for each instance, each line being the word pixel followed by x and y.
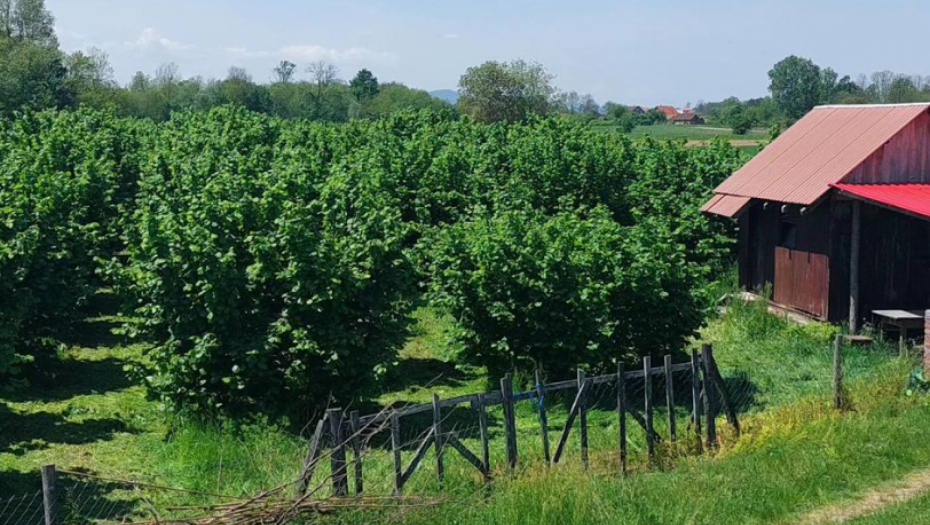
pixel 32 22
pixel 238 89
pixel 31 76
pixel 506 91
pixel 364 85
pixel 903 90
pixel 796 86
pixel 90 69
pixel 167 74
pixel 284 72
pixel 6 18
pixel 90 78
pixel 322 73
pixel 881 85
pixel 322 99
pixel 393 97
pixel 621 115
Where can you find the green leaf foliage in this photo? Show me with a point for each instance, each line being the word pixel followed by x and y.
pixel 66 180
pixel 574 288
pixel 274 263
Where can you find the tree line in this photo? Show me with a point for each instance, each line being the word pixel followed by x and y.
pixel 36 74
pixel 797 85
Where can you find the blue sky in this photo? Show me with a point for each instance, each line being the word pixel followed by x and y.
pixel 639 52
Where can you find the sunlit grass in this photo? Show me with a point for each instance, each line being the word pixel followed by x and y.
pixel 796 453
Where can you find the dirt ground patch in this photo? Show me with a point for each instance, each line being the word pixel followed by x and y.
pixel 910 487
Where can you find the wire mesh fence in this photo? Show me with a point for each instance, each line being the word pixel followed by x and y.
pixel 22 509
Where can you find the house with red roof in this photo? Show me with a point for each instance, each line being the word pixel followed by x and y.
pixel 669 111
pixel 834 215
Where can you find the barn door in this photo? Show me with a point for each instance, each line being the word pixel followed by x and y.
pixel 802 281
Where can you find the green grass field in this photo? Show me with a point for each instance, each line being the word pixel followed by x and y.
pixel 796 454
pixel 750 143
pixel 695 133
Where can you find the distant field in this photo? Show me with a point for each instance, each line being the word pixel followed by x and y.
pixel 694 134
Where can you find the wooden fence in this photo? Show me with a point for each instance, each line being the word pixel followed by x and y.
pixel 343 432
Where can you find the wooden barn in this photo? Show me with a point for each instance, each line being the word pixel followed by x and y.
pixel 688 118
pixel 834 215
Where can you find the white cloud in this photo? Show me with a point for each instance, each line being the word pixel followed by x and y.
pixel 245 53
pixel 151 39
pixel 312 52
pixel 450 36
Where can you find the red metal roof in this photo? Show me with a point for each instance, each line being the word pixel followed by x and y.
pixel 669 111
pixel 726 205
pixel 819 150
pixel 911 198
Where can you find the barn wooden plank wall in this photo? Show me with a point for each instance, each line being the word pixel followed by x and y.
pixel 905 158
pixel 802 281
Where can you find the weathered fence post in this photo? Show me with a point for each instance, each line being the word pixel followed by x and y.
pixel 509 421
pixel 479 404
pixel 396 445
pixel 572 415
pixel 670 397
pixel 696 393
pixel 437 430
pixel 583 421
pixel 355 428
pixel 338 458
pixel 839 394
pixel 710 399
pixel 650 430
pixel 543 419
pixel 621 414
pixel 50 500
pixel 717 380
pixel 313 453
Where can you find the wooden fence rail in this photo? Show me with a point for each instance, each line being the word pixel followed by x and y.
pixel 344 433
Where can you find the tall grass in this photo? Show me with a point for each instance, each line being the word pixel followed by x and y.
pixel 770 360
pixel 795 458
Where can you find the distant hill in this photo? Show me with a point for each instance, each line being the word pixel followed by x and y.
pixel 449 95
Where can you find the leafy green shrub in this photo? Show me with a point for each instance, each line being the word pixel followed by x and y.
pixel 556 165
pixel 671 183
pixel 568 289
pixel 271 260
pixel 270 279
pixel 65 181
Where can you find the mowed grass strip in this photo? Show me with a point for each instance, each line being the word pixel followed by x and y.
pixel 912 512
